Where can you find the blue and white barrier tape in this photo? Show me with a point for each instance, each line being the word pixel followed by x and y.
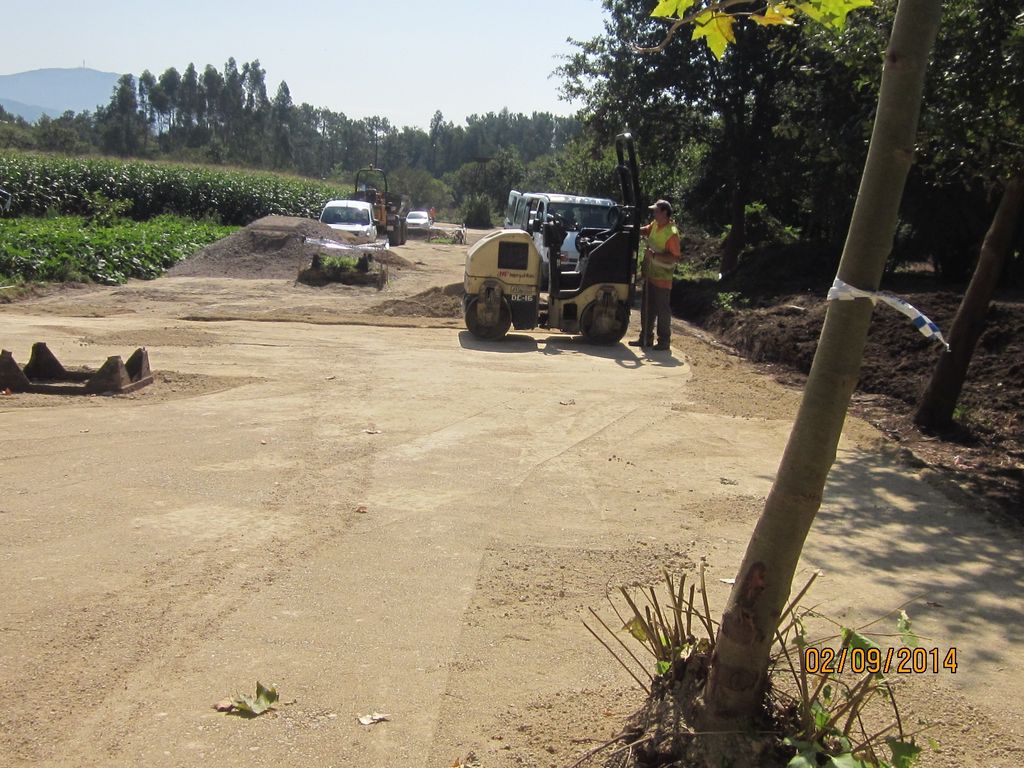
pixel 841 291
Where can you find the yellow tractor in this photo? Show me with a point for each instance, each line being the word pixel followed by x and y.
pixel 388 207
pixel 504 274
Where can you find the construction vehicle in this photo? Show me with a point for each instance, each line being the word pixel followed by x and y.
pixel 388 207
pixel 504 273
pixel 574 211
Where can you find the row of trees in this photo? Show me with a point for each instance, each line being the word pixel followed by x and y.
pixel 784 119
pixel 227 117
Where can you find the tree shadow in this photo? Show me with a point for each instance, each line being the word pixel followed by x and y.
pixel 889 525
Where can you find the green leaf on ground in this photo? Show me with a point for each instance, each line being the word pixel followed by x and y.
pixel 248 706
pixel 904 753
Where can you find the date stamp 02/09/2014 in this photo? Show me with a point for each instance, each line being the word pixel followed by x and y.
pixel 900 661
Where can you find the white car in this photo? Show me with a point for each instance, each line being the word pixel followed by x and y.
pixel 353 216
pixel 418 222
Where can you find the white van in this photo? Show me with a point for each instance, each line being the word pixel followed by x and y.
pixel 529 210
pixel 353 216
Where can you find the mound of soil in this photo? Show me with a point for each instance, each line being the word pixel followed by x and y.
pixel 435 302
pixel 270 248
pixel 771 309
pixel 392 260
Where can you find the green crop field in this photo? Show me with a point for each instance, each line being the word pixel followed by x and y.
pixel 48 184
pixel 71 248
pixel 107 220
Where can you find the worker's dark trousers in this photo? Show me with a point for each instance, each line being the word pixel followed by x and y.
pixel 655 308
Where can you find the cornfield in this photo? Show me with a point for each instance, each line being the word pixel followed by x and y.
pixel 53 185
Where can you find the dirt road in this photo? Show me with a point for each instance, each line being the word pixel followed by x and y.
pixel 377 513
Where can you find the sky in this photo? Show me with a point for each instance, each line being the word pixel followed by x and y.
pixel 402 60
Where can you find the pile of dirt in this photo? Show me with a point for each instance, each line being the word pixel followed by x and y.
pixel 392 260
pixel 435 302
pixel 270 248
pixel 700 246
pixel 771 309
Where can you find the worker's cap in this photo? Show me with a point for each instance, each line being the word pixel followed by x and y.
pixel 663 205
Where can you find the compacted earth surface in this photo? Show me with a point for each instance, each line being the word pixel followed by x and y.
pixel 771 310
pixel 338 491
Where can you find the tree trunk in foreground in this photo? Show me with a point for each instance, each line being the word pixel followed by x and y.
pixel 736 683
pixel 935 411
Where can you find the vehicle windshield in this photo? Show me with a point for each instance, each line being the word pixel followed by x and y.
pixel 359 216
pixel 418 216
pixel 581 216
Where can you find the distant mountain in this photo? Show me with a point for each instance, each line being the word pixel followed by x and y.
pixel 30 112
pixel 55 91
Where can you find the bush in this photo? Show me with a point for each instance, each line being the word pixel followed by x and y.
pixel 763 229
pixel 476 212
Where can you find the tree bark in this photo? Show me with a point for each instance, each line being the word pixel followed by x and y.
pixel 736 683
pixel 935 411
pixel 736 240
